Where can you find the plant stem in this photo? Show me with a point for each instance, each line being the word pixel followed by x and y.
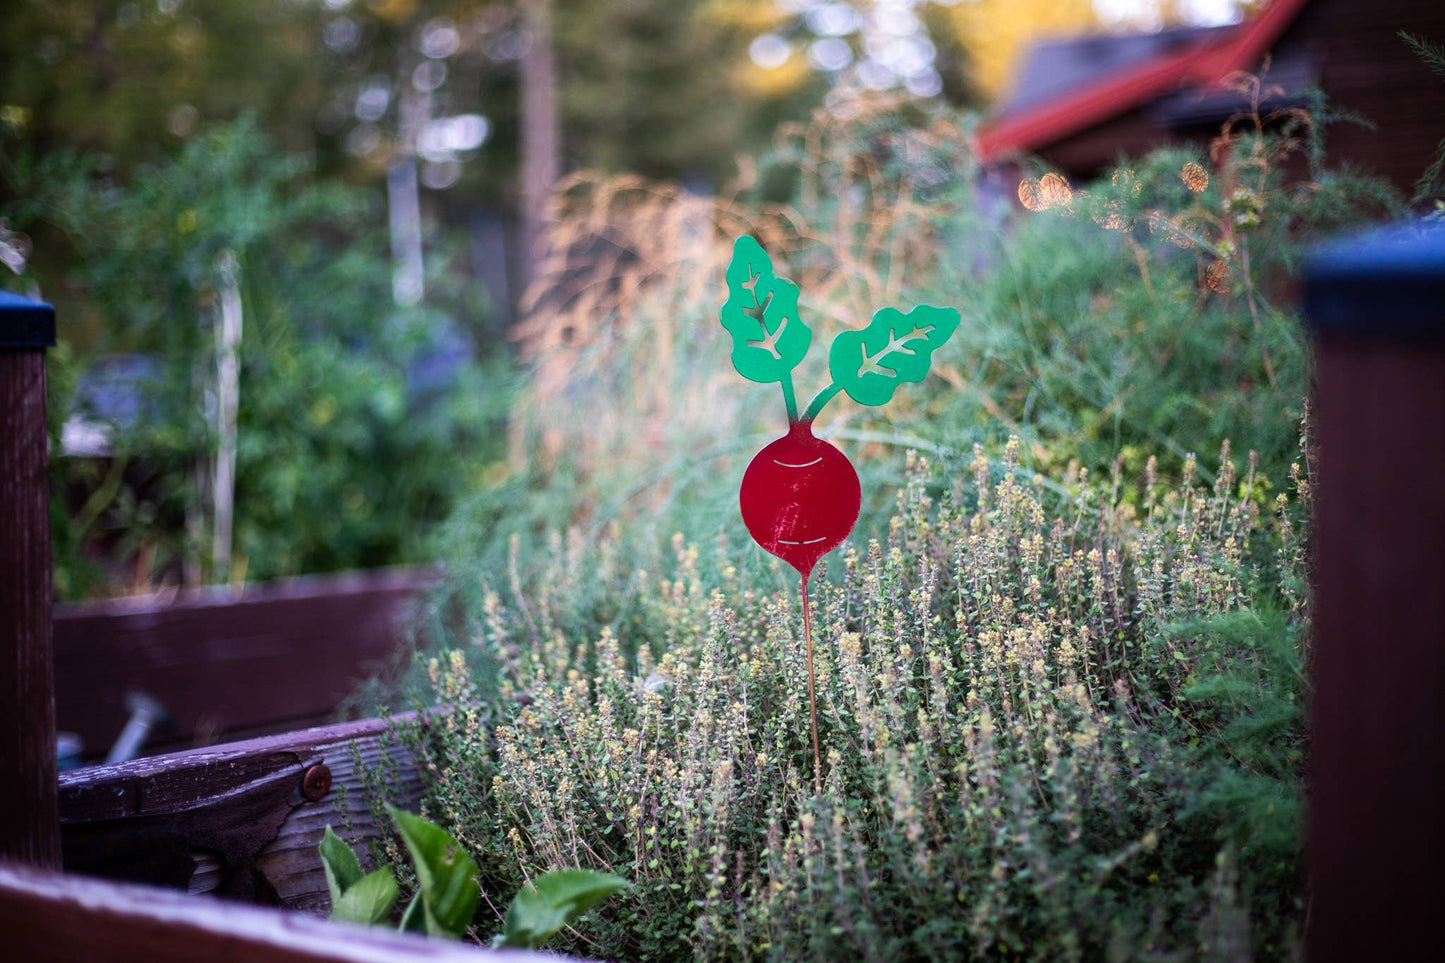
pixel 1254 311
pixel 824 396
pixel 789 399
pixel 812 693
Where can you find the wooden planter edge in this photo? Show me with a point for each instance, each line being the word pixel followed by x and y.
pixel 240 820
pixel 55 916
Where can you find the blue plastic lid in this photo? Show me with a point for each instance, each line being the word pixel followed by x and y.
pixel 1385 283
pixel 25 323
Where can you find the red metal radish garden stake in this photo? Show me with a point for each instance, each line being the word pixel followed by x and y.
pixel 800 495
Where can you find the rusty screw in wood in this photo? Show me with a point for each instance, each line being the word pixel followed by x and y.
pixel 317 782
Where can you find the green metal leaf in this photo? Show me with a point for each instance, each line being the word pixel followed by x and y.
pixel 895 347
pixel 368 900
pixel 761 313
pixel 343 869
pixel 557 898
pixel 449 890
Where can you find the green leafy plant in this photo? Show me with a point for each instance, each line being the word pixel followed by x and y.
pixel 447 894
pixel 335 383
pixel 1430 187
pixel 552 901
pixel 356 897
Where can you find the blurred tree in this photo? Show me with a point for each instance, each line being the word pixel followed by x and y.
pixel 336 385
pixel 540 142
pixel 661 87
pixel 131 77
pixel 430 92
pixel 995 33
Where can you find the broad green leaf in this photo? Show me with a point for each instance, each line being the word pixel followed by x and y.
pixel 368 900
pixel 557 898
pixel 449 890
pixel 343 869
pixel 761 313
pixel 895 347
pixel 413 921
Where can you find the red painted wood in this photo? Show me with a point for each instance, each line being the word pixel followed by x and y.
pixel 29 824
pixel 1205 63
pixel 1364 67
pixel 276 657
pixel 48 916
pixel 1377 772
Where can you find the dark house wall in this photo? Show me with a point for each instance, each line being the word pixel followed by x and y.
pixel 1349 48
pixel 1367 69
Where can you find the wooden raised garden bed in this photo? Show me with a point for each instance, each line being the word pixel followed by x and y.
pixel 243 820
pixel 224 664
pixel 240 820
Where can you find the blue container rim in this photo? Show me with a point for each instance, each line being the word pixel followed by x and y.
pixel 1384 283
pixel 25 323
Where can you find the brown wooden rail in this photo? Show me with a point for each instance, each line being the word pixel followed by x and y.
pixel 241 820
pixel 49 916
pixel 28 830
pixel 1377 768
pixel 226 664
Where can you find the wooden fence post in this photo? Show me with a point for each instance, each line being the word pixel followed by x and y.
pixel 1376 848
pixel 29 819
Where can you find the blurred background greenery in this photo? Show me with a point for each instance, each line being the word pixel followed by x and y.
pixel 362 193
pixel 365 183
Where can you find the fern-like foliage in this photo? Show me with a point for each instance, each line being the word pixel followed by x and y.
pixel 1431 184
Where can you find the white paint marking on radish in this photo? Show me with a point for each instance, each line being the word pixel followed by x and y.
pixel 811 541
pixel 806 464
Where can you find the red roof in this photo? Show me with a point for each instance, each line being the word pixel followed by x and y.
pixel 1206 64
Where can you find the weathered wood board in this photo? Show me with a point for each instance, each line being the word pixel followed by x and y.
pixel 51 916
pixel 235 819
pixel 277 657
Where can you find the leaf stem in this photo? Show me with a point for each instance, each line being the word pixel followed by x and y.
pixel 789 398
pixel 823 397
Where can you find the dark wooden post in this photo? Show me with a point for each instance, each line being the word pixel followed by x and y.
pixel 29 820
pixel 1376 849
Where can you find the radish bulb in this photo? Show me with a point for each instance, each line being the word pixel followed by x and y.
pixel 800 498
pixel 800 495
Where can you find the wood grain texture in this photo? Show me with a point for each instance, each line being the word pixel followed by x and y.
pixel 1377 747
pixel 29 831
pixel 232 819
pixel 274 657
pixel 1361 64
pixel 1367 69
pixel 49 916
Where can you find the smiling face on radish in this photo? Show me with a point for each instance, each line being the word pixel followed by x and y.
pixel 800 498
